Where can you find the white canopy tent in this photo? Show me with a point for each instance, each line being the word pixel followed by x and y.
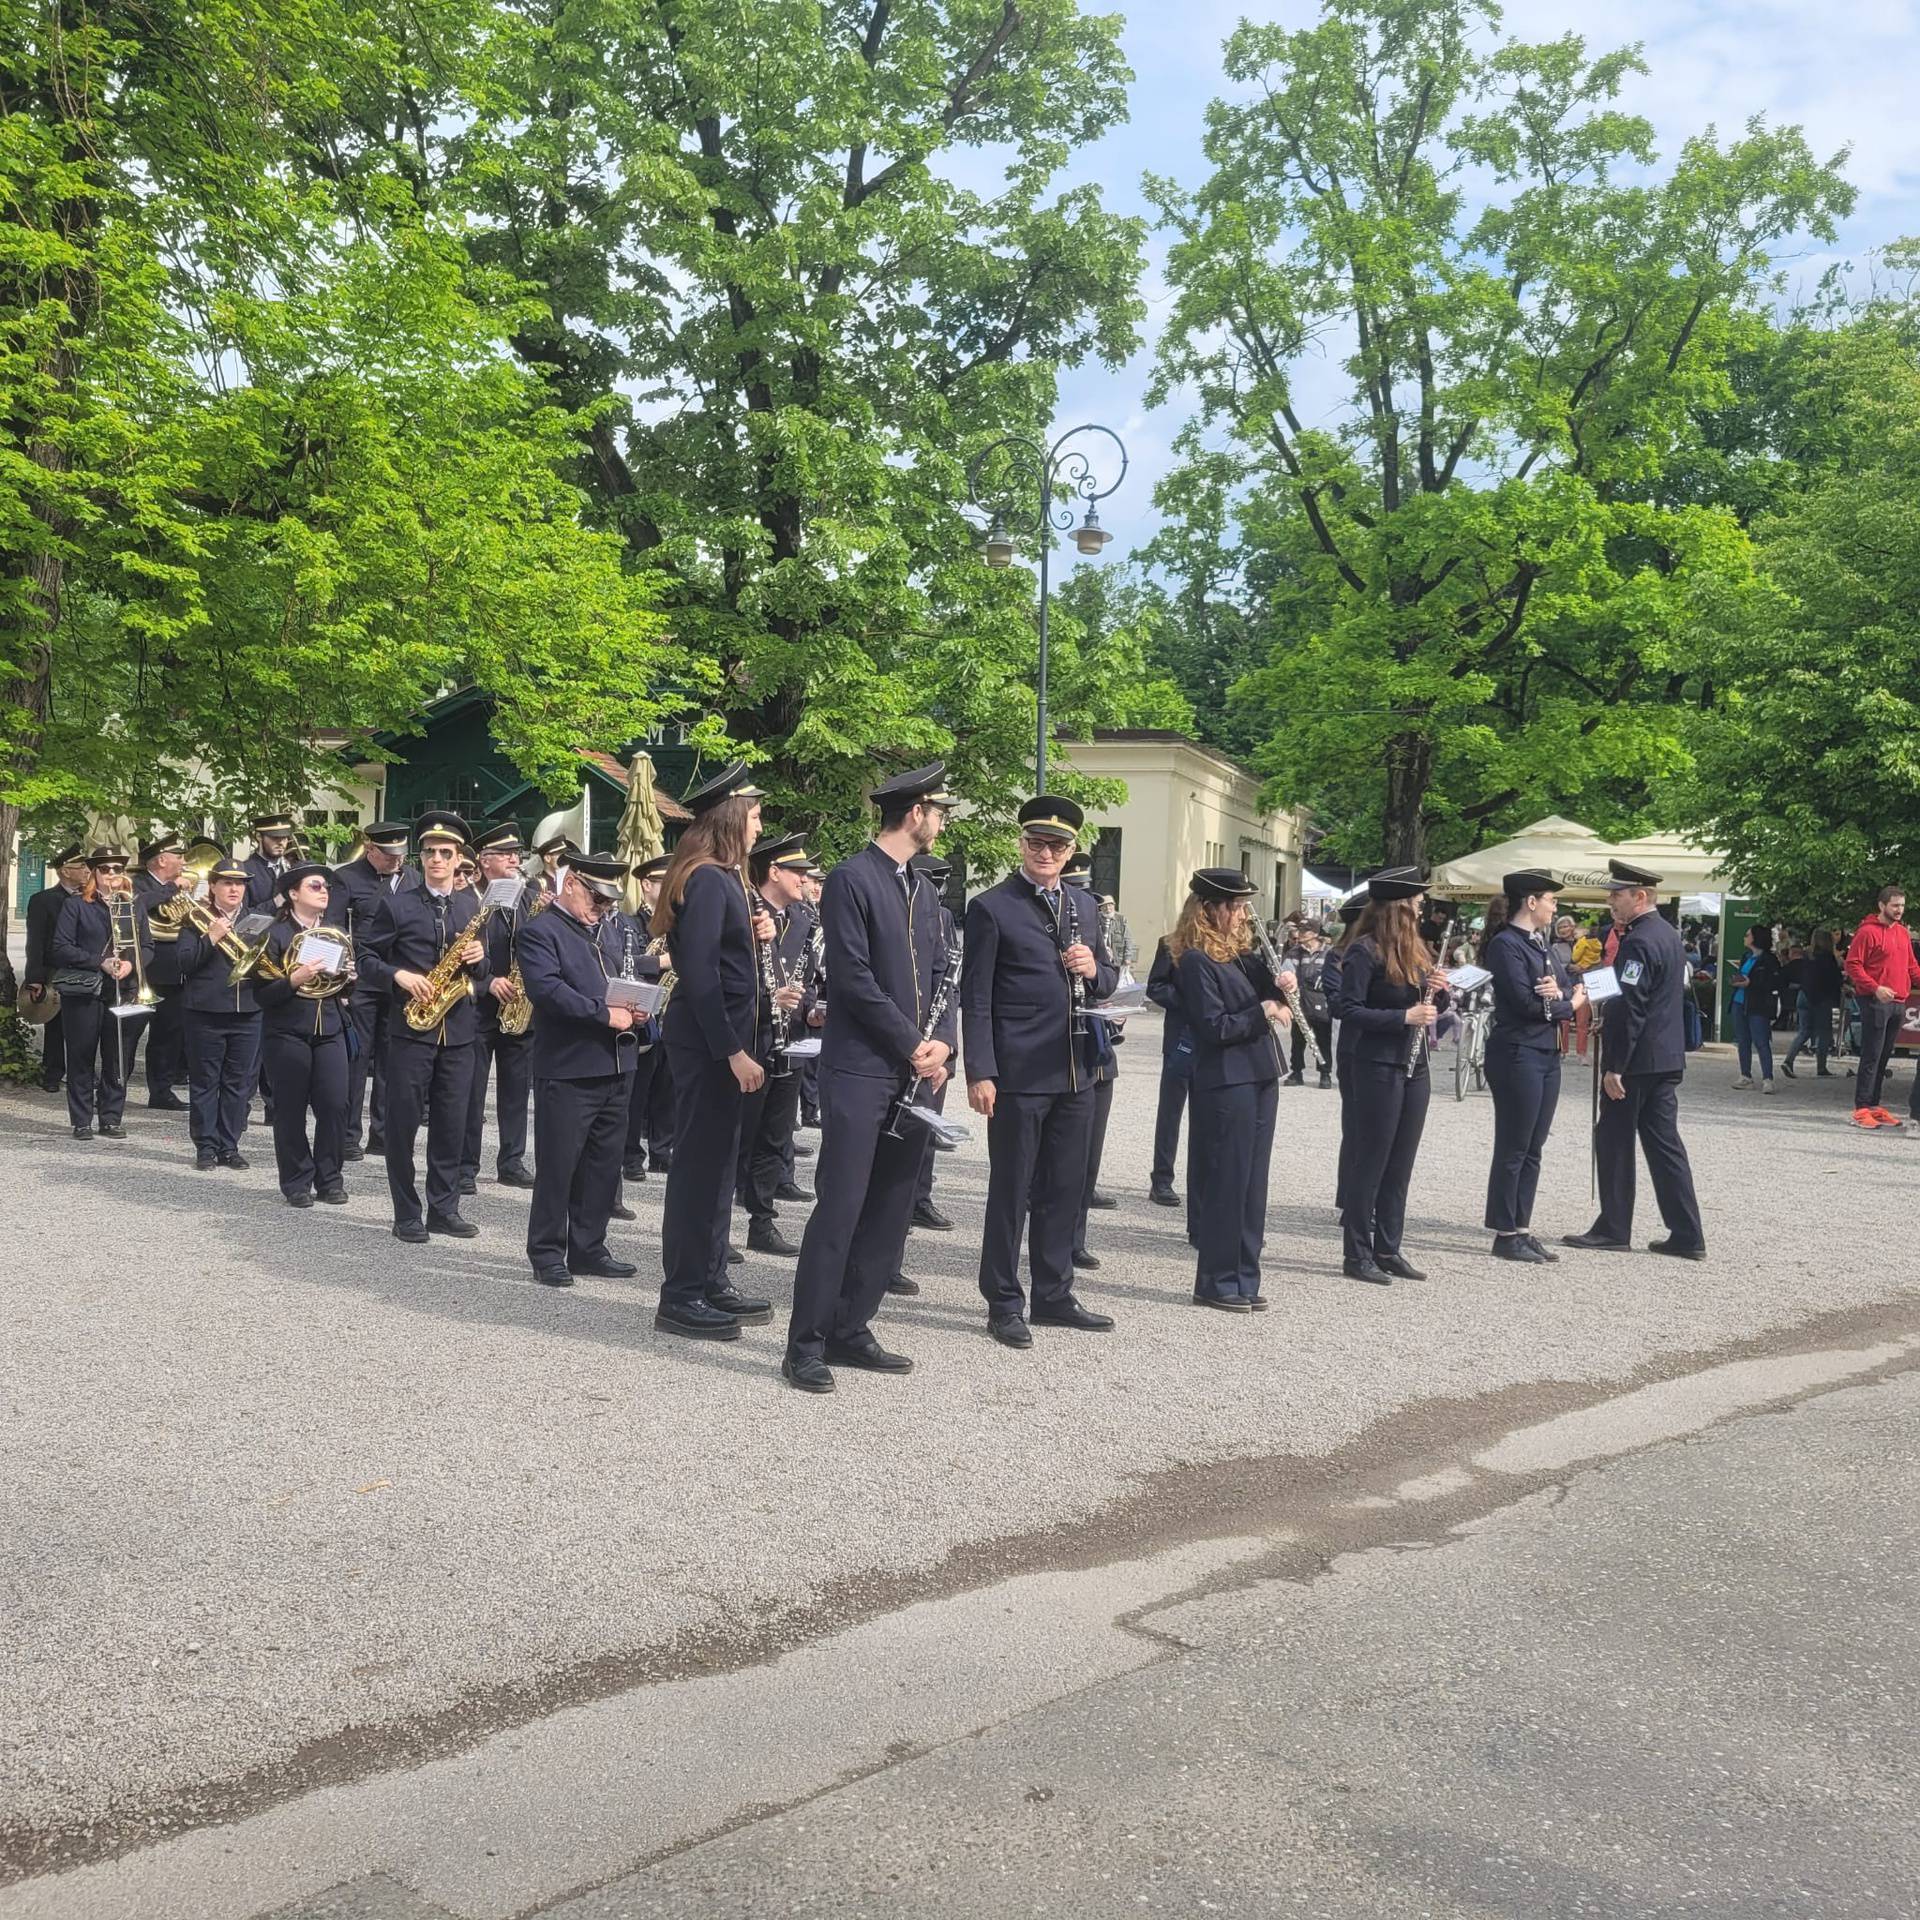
pixel 1578 857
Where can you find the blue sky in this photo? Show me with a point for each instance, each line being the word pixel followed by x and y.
pixel 1845 73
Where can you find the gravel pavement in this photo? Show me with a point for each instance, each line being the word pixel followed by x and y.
pixel 284 1500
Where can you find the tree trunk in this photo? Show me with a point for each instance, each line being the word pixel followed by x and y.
pixel 1403 827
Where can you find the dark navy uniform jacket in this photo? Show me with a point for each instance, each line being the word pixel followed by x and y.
pixel 1015 993
pixel 1233 1044
pixel 204 969
pixel 82 933
pixel 564 966
pixel 622 938
pixel 1520 1017
pixel 358 887
pixel 406 933
pixel 43 913
pixel 1371 1009
pixel 887 947
pixel 1644 1031
pixel 716 997
pixel 286 1008
pixel 1163 989
pixel 262 873
pixel 165 972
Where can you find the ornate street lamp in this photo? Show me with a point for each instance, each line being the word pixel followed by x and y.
pixel 1060 477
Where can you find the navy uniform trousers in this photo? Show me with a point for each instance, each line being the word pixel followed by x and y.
pixel 706 1153
pixel 430 1082
pixel 650 1112
pixel 1650 1113
pixel 367 1069
pixel 579 1135
pixel 96 1066
pixel 1096 1146
pixel 309 1075
pixel 1385 1114
pixel 864 1191
pixel 1037 1167
pixel 923 1191
pixel 169 1058
pixel 1232 1149
pixel 1176 1076
pixel 511 1058
pixel 223 1055
pixel 1525 1084
pixel 767 1121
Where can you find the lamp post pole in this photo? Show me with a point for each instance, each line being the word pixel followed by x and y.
pixel 1061 475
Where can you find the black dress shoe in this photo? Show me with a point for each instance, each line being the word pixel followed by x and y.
pixel 695 1320
pixel 413 1232
pixel 1011 1331
pixel 941 1144
pixel 376 1144
pixel 1678 1250
pixel 735 1258
pixel 1326 1081
pixel 205 1160
pixel 1398 1265
pixel 659 1162
pixel 621 1211
pixel 304 1198
pixel 553 1276
pixel 83 1133
pixel 113 1130
pixel 788 1190
pixel 811 1119
pixel 1259 1304
pixel 802 1151
pixel 234 1162
pixel 1294 1080
pixel 1368 1271
pixel 1164 1197
pixel 748 1308
pixel 810 1376
pixel 1102 1202
pixel 1070 1313
pixel 605 1268
pixel 469 1184
pixel 1545 1252
pixel 513 1177
pixel 1235 1305
pixel 167 1103
pixel 926 1214
pixel 1594 1242
pixel 333 1196
pixel 453 1226
pixel 868 1355
pixel 635 1169
pixel 353 1151
pixel 1516 1246
pixel 764 1237
pixel 1085 1261
pixel 900 1284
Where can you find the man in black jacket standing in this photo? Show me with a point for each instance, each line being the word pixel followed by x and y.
pixel 380 868
pixel 69 869
pixel 893 1026
pixel 584 1053
pixel 161 861
pixel 1643 1056
pixel 272 854
pixel 507 1055
pixel 1030 973
pixel 429 1069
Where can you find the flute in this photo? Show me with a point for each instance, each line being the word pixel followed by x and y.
pixel 1416 1036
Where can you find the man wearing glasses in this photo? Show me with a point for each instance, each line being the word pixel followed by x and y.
pixel 1031 971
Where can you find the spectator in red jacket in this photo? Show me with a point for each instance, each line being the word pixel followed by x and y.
pixel 1881 971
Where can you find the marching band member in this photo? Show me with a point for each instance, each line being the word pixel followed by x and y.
pixel 1534 997
pixel 1029 971
pixel 223 1025
pixel 429 1069
pixel 304 1031
pixel 777 870
pixel 99 949
pixel 816 1011
pixel 709 1039
pixel 379 868
pixel 270 858
pixel 553 852
pixel 508 1055
pixel 1176 1076
pixel 161 861
pixel 70 872
pixel 650 1113
pixel 1236 1041
pixel 1390 994
pixel 888 961
pixel 1103 1040
pixel 583 1060
pixel 937 872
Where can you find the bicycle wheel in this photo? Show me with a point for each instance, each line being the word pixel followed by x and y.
pixel 1460 1057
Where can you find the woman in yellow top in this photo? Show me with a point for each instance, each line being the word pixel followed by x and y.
pixel 1587 953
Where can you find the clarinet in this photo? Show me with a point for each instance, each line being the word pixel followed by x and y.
pixel 936 1012
pixel 1416 1036
pixel 779 1066
pixel 1076 987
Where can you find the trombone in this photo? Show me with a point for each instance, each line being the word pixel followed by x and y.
pixel 123 943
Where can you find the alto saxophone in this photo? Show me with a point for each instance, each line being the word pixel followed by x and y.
pixel 449 983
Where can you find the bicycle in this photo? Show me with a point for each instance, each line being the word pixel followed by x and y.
pixel 1470 1049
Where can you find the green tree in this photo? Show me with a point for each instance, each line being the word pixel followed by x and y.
pixel 1482 606
pixel 270 470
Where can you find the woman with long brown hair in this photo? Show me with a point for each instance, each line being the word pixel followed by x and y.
pixel 1236 1081
pixel 710 1037
pixel 1390 994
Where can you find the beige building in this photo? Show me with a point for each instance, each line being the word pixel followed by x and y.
pixel 1187 806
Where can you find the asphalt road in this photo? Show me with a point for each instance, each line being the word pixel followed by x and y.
pixel 289 1507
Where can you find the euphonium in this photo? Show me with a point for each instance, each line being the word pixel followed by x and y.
pixel 184 910
pixel 449 983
